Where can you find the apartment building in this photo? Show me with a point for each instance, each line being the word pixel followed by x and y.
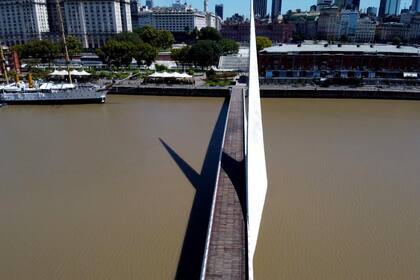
pixel 23 20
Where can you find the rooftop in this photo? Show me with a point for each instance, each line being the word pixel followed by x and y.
pixel 345 48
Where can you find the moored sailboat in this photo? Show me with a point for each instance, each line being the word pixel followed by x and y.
pixel 48 92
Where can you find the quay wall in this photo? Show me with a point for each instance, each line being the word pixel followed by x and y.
pixel 172 91
pixel 357 93
pixel 275 92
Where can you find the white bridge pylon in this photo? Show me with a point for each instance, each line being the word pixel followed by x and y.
pixel 256 170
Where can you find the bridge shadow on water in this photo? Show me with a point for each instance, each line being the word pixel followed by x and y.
pixel 190 262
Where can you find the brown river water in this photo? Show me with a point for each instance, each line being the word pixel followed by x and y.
pixel 90 192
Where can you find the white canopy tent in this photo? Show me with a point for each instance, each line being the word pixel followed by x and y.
pixel 59 73
pixel 177 75
pixel 170 75
pixel 410 75
pixel 186 76
pixel 73 73
pixel 166 75
pixel 82 73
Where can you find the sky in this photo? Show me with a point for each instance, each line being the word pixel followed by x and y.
pixel 242 6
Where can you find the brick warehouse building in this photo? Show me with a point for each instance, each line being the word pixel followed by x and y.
pixel 344 61
pixel 277 32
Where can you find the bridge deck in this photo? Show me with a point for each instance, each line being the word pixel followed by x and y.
pixel 227 248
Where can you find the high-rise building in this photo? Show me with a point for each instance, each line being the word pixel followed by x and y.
pixel 340 3
pixel 260 8
pixel 329 23
pixel 23 20
pixel 372 11
pixel 219 10
pixel 134 6
pixel 275 10
pixel 387 31
pixel 382 7
pixel 347 4
pixel 303 23
pixel 93 22
pixel 348 23
pixel 415 6
pixel 235 19
pixel 406 16
pixel 365 30
pixel 352 4
pixel 389 7
pixel 149 4
pixel 323 4
pixel 179 18
pixel 53 20
pixel 414 35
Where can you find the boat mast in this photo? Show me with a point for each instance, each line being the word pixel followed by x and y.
pixel 63 37
pixel 3 63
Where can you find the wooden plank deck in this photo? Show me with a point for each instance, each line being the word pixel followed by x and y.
pixel 227 253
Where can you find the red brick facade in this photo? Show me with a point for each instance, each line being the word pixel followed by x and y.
pixel 338 61
pixel 280 32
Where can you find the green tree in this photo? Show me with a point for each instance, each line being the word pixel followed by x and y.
pixel 161 68
pixel 209 33
pixel 149 35
pixel 145 54
pixel 44 50
pixel 229 46
pixel 128 37
pixel 263 42
pixel 298 37
pixel 181 56
pixel 157 38
pixel 166 39
pixel 21 51
pixel 344 39
pixel 205 53
pixel 74 46
pixel 116 53
pixel 396 41
pixel 195 34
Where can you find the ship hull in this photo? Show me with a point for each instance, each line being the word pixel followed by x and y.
pixel 54 102
pixel 67 97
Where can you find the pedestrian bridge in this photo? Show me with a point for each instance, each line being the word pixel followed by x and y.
pixel 225 218
pixel 241 183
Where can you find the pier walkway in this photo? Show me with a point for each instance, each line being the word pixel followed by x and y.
pixel 241 185
pixel 226 254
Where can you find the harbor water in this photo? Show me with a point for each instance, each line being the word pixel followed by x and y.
pixel 90 192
